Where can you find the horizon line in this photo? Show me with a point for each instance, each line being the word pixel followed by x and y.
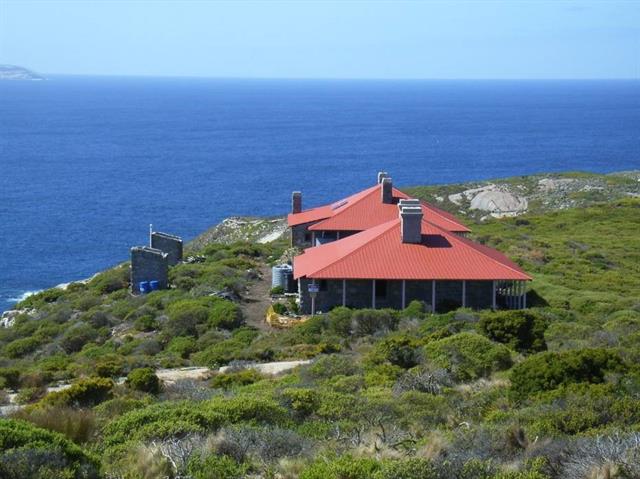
pixel 329 78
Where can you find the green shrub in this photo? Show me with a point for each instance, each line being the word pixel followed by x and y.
pixel 9 378
pixel 216 467
pixel 398 350
pixel 77 336
pixel 414 468
pixel 40 299
pixel 238 378
pixel 185 316
pixel 372 321
pixel 277 290
pixel 326 367
pixel 146 323
pixel 279 308
pixel 109 366
pixel 302 401
pixel 468 356
pixel 182 346
pixel 79 425
pixel 225 351
pixel 21 347
pixel 84 393
pixel 226 315
pixel 160 420
pixel 27 451
pixel 521 330
pixel 111 280
pixel 549 370
pixel 144 379
pixel 339 321
pixel 415 310
pixel 345 467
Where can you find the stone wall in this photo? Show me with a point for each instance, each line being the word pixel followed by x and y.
pixel 359 294
pixel 301 237
pixel 148 264
pixel 170 244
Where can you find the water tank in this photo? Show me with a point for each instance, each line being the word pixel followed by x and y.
pixel 154 285
pixel 279 275
pixel 144 287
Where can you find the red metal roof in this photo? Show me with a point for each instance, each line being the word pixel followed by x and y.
pixel 365 210
pixel 379 253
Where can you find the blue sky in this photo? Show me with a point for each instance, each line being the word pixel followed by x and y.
pixel 325 39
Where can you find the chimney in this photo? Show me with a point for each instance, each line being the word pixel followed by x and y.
pixel 411 224
pixel 381 175
pixel 296 202
pixel 408 202
pixel 387 190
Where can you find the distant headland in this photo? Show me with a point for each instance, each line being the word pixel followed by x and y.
pixel 14 72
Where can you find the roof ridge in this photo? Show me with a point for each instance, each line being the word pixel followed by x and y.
pixel 387 226
pixel 465 242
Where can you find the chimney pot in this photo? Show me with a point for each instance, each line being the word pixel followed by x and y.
pixel 387 190
pixel 296 202
pixel 411 224
pixel 382 175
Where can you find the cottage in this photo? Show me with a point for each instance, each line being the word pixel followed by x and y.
pixel 359 212
pixel 418 254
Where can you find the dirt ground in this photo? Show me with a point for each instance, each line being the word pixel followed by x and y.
pixel 255 303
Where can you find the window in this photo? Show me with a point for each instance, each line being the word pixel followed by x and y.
pixel 381 288
pixel 322 286
pixel 307 237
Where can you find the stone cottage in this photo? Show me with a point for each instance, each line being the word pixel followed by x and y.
pixel 372 256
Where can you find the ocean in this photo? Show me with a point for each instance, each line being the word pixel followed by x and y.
pixel 87 163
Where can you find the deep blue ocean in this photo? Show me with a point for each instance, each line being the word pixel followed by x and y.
pixel 86 163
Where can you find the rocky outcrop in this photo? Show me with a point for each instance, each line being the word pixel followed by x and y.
pixel 13 72
pixel 236 228
pixel 535 193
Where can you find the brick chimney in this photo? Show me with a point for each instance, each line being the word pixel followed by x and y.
pixel 386 189
pixel 296 202
pixel 381 175
pixel 411 224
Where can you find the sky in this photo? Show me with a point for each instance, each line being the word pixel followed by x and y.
pixel 325 39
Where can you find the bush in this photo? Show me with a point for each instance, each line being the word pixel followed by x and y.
pixel 216 467
pixel 146 323
pixel 182 346
pixel 279 308
pixel 144 379
pixel 522 331
pixel 371 321
pixel 549 370
pixel 237 378
pixel 327 367
pixel 111 280
pixel 184 316
pixel 77 336
pixel 84 393
pixel 345 467
pixel 277 290
pixel 399 351
pixel 9 378
pixel 21 347
pixel 27 451
pixel 111 366
pixel 226 315
pixel 468 356
pixel 302 401
pixel 79 425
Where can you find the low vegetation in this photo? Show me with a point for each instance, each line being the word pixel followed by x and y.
pixel 547 393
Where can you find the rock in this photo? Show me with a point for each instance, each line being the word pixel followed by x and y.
pixel 499 203
pixel 552 184
pixel 8 318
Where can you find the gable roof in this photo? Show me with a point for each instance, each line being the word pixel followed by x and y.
pixel 379 253
pixel 365 210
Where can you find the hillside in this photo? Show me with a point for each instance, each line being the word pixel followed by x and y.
pixel 474 202
pixel 552 392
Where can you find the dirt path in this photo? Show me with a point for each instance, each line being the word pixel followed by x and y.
pixel 255 303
